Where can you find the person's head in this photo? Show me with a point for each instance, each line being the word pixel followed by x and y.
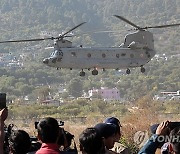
pixel 175 140
pixel 19 142
pixel 116 122
pixel 107 131
pixel 48 130
pixel 91 141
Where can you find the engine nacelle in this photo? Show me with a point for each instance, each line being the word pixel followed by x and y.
pixel 62 44
pixel 136 45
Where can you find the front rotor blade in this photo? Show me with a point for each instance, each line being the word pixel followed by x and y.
pixel 129 22
pixel 28 40
pixel 71 30
pixel 162 26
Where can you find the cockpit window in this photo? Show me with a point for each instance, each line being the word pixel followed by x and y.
pixel 56 53
pixel 52 54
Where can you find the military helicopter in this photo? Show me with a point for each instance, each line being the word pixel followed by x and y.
pixel 136 50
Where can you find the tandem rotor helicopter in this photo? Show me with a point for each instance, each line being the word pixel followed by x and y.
pixel 136 51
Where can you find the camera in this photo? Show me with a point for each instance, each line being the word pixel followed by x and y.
pixel 60 123
pixel 35 145
pixel 2 100
pixel 7 130
pixel 173 125
pixel 65 140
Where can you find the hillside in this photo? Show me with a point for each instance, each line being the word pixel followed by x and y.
pixel 21 19
pixel 26 19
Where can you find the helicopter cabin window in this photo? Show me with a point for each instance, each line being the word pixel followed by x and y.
pixel 123 54
pixel 89 55
pixel 73 54
pixel 59 53
pixel 103 55
pixel 117 55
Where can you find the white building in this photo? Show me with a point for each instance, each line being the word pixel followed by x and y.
pixel 105 93
pixel 168 95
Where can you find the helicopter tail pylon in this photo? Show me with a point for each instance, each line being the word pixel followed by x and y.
pixel 142 37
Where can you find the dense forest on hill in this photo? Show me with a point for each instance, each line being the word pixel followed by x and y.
pixel 21 19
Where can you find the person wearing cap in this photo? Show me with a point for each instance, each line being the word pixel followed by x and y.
pixel 118 147
pixel 107 132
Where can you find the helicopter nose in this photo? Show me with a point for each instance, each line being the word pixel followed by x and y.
pixel 46 61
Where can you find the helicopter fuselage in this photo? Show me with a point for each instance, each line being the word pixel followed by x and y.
pixel 101 58
pixel 136 51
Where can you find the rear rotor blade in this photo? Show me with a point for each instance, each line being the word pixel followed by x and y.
pixel 162 26
pixel 28 40
pixel 140 28
pixel 127 21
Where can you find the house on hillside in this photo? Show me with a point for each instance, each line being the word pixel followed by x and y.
pixel 174 95
pixel 107 94
pixel 168 95
pixel 50 102
pixel 171 93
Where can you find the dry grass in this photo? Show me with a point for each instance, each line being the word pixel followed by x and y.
pixel 133 122
pixel 139 119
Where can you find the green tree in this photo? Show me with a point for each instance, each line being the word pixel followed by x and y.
pixel 75 87
pixel 42 93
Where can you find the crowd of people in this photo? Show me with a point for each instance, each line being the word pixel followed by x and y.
pixel 103 138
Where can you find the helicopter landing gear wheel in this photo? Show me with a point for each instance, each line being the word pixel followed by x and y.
pixel 94 72
pixel 82 73
pixel 128 71
pixel 142 69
